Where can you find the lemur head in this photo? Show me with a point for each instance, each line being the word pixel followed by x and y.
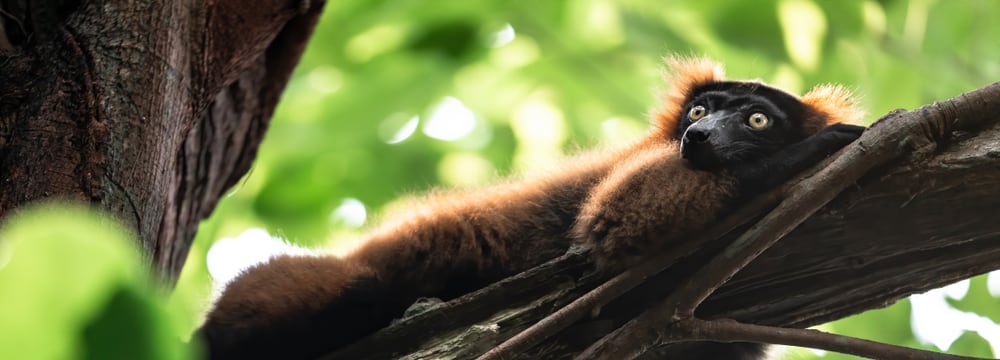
pixel 721 122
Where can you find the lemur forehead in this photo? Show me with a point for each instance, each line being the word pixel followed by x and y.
pixel 719 100
pixel 778 97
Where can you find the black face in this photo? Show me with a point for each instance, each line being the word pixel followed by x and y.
pixel 729 123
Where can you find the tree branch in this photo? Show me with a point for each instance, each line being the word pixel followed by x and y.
pixel 728 331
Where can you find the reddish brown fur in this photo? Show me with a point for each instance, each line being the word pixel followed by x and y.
pixel 829 104
pixel 513 226
pixel 452 244
pixel 277 295
pixel 647 202
pixel 262 299
pixel 638 198
pixel 684 76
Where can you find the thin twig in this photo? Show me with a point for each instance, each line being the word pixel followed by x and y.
pixel 474 305
pixel 920 130
pixel 730 331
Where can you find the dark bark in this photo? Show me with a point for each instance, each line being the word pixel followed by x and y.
pixel 919 222
pixel 150 109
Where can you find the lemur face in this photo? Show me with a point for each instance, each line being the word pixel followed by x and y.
pixel 731 122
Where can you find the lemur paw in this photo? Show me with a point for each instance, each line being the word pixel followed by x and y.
pixel 649 203
pixel 623 219
pixel 838 135
pixel 611 243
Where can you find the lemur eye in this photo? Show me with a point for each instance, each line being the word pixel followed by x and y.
pixel 697 113
pixel 757 121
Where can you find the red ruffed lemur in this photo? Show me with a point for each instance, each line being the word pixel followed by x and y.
pixel 713 143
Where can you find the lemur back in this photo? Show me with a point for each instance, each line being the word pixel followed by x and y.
pixel 623 204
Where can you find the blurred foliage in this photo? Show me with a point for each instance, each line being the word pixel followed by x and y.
pixel 979 300
pixel 74 288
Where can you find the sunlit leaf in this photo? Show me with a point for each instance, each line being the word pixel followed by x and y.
pixel 971 344
pixel 979 300
pixel 74 287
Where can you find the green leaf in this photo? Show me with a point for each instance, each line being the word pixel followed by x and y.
pixel 131 325
pixel 882 325
pixel 978 300
pixel 69 277
pixel 971 344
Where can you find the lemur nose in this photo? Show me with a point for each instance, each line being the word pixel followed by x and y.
pixel 697 135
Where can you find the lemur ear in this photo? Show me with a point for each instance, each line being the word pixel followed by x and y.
pixel 682 76
pixel 830 104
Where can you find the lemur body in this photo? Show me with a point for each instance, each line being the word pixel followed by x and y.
pixel 714 142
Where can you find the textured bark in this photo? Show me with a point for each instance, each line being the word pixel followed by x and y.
pixel 920 222
pixel 150 109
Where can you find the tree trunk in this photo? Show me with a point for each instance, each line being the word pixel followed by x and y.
pixel 149 109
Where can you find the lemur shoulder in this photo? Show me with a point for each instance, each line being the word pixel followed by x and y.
pixel 713 143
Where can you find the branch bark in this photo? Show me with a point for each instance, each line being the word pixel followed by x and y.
pixel 728 331
pixel 148 109
pixel 880 240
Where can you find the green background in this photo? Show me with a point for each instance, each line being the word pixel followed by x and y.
pixel 576 74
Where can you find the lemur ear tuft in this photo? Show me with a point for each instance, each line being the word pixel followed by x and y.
pixel 683 75
pixel 830 104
